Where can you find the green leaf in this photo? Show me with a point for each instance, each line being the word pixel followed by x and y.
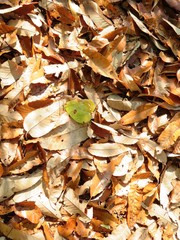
pixel 80 110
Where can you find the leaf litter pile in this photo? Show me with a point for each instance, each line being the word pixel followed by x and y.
pixel 90 120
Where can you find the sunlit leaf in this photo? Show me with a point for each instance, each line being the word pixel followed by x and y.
pixel 80 110
pixel 139 114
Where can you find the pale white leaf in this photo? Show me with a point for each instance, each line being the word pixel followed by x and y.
pixel 41 121
pixel 157 211
pixel 64 141
pixel 36 19
pixel 6 188
pixel 122 232
pixel 74 206
pixel 123 168
pixel 153 149
pixel 139 234
pixel 23 81
pixel 7 115
pixel 107 149
pixel 8 152
pixel 9 72
pixel 105 127
pixel 24 28
pixel 166 185
pixel 36 194
pixel 10 9
pixel 124 139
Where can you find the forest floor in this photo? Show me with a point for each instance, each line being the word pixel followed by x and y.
pixel 90 120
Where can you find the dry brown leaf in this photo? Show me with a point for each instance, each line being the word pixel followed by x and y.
pixel 141 25
pixel 47 231
pixel 99 63
pixel 4 28
pixel 170 134
pixel 67 229
pixel 61 13
pixel 139 114
pixel 81 229
pixel 95 13
pixel 116 177
pixel 127 80
pixel 28 210
pixel 16 234
pixel 103 215
pixel 135 198
pixel 11 130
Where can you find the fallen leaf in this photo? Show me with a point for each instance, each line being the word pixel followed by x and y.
pixel 170 134
pixel 153 149
pixel 95 13
pixel 66 140
pixel 107 149
pixel 28 210
pixel 80 110
pixel 99 182
pixel 8 152
pixel 99 63
pixel 68 228
pixel 24 28
pixel 9 72
pixel 122 231
pixel 4 28
pixel 42 120
pixel 141 25
pixel 74 206
pixel 139 114
pixel 166 186
pixel 16 234
pixel 134 204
